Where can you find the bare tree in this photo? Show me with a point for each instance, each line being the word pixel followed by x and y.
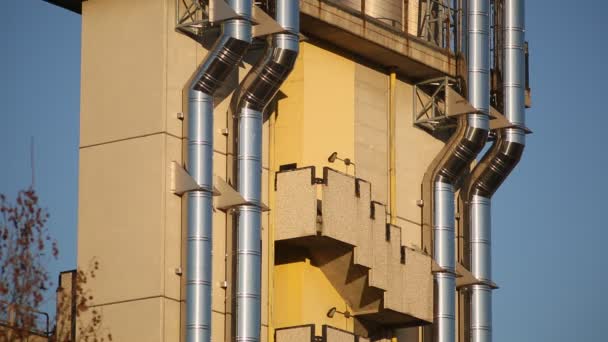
pixel 74 306
pixel 26 248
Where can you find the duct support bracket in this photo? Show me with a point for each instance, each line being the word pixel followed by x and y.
pixel 263 24
pixel 444 103
pixel 464 278
pixel 182 182
pixel 499 121
pixel 225 196
pixel 219 11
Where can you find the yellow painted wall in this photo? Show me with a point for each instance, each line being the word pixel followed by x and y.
pixel 303 295
pixel 317 117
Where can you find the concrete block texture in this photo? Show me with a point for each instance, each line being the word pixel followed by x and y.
pixel 296 204
pixel 304 333
pixel 332 334
pixel 380 248
pixel 363 248
pixel 393 296
pixel 417 285
pixel 339 207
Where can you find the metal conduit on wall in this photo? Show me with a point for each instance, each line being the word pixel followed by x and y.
pixel 494 168
pixel 257 90
pixel 221 60
pixel 451 163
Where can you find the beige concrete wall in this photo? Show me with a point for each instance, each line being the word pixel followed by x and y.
pixel 371 129
pixel 134 67
pixel 415 149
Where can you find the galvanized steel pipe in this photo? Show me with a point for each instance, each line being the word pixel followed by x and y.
pixel 460 151
pixel 494 168
pixel 221 60
pixel 257 90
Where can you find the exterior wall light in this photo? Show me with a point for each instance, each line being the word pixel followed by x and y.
pixel 333 311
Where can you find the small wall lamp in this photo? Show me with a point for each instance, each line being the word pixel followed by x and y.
pixel 333 311
pixel 332 158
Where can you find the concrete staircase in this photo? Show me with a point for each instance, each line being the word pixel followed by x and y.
pixel 347 236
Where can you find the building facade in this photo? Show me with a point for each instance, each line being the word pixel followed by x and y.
pixel 351 148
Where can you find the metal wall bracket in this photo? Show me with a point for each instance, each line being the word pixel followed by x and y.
pixel 435 268
pixel 198 19
pixel 263 23
pixel 226 197
pixel 436 103
pixel 182 182
pixel 230 198
pixel 499 121
pixel 465 278
pixel 220 11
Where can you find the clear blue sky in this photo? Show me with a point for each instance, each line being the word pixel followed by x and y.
pixel 549 227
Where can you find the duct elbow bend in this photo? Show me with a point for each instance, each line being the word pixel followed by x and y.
pixel 464 151
pixel 262 84
pixel 225 55
pixel 497 164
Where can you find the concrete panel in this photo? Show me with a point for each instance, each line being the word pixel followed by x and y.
pixel 410 233
pixel 217 326
pixel 172 247
pixel 145 320
pixel 296 205
pixel 340 207
pixel 123 70
pixel 371 129
pixel 417 285
pixel 265 261
pixel 264 333
pixel 415 149
pixel 122 205
pixel 172 323
pixel 363 248
pixel 295 334
pixel 332 334
pixel 393 297
pixel 381 247
pixel 181 62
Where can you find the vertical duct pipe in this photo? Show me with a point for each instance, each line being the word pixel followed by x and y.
pixel 447 169
pixel 257 90
pixel 221 60
pixel 494 168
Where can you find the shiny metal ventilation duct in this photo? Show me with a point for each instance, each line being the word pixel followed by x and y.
pixel 452 162
pixel 221 60
pixel 257 90
pixel 493 169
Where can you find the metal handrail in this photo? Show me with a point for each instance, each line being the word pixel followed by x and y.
pixel 10 319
